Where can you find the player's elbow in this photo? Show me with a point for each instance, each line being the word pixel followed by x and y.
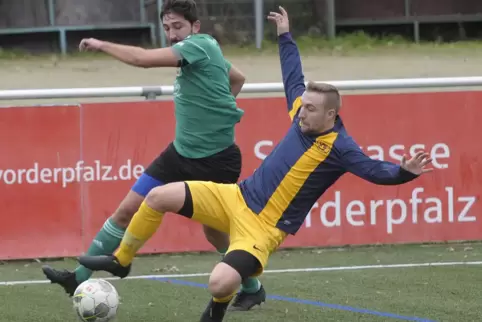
pixel 236 77
pixel 139 59
pixel 143 61
pixel 240 79
pixel 237 83
pixel 149 58
pixel 140 64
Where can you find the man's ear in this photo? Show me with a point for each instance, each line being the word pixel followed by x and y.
pixel 196 26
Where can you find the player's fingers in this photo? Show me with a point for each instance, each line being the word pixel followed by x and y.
pixel 276 18
pixel 416 155
pixel 426 161
pixel 425 156
pixel 404 159
pixel 420 155
pixel 283 11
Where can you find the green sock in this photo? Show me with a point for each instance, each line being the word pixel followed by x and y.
pixel 105 242
pixel 222 251
pixel 251 285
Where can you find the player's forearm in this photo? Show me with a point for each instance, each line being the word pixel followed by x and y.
pixel 291 69
pixel 387 174
pixel 130 55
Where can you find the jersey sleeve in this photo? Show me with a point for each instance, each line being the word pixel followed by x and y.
pixel 378 172
pixel 193 49
pixel 292 72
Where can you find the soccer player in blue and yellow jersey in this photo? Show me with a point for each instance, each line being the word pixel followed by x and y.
pixel 203 148
pixel 263 209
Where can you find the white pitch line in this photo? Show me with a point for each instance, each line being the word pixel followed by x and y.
pixel 272 271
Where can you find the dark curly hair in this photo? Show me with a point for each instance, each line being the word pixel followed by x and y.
pixel 184 8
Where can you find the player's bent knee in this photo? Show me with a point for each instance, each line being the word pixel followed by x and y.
pixel 224 281
pixel 244 263
pixel 168 198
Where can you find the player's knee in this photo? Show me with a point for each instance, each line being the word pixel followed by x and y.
pixel 226 277
pixel 224 281
pixel 168 198
pixel 242 262
pixel 236 266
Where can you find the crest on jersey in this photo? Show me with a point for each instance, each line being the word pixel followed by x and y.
pixel 323 147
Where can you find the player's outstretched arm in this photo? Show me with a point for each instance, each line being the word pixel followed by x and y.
pixel 383 172
pixel 134 56
pixel 291 69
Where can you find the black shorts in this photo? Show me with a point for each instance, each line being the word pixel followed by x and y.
pixel 170 166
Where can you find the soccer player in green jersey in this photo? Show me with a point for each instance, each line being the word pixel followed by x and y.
pixel 203 148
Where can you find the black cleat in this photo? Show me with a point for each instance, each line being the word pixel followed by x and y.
pixel 105 263
pixel 64 278
pixel 214 312
pixel 245 301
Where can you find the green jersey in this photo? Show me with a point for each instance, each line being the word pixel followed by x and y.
pixel 206 111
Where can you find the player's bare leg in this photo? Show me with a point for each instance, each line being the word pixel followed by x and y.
pixel 106 241
pixel 252 292
pixel 223 284
pixel 224 281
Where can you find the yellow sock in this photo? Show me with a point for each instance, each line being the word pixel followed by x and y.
pixel 224 299
pixel 141 228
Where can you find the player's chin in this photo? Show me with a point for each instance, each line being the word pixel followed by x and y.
pixel 305 129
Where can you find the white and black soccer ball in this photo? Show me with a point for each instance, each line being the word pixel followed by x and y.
pixel 96 300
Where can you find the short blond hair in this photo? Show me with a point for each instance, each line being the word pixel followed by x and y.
pixel 333 99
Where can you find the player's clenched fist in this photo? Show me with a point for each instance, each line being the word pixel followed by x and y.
pixel 90 44
pixel 281 20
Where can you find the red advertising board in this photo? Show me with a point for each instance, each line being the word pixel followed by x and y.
pixel 64 170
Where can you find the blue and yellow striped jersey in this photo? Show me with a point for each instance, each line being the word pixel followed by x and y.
pixel 302 167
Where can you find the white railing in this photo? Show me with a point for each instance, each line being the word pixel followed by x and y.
pixel 151 92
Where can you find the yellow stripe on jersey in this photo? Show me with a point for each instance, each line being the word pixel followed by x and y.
pixel 295 107
pixel 296 177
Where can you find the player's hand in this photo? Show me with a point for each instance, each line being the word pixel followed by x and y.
pixel 417 164
pixel 281 20
pixel 90 44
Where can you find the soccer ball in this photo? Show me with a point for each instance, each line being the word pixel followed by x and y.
pixel 96 300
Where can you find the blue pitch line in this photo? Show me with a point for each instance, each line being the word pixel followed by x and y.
pixel 307 302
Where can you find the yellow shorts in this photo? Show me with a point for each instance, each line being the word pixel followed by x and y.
pixel 222 207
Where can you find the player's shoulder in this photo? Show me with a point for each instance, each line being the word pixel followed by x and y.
pixel 202 40
pixel 343 140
